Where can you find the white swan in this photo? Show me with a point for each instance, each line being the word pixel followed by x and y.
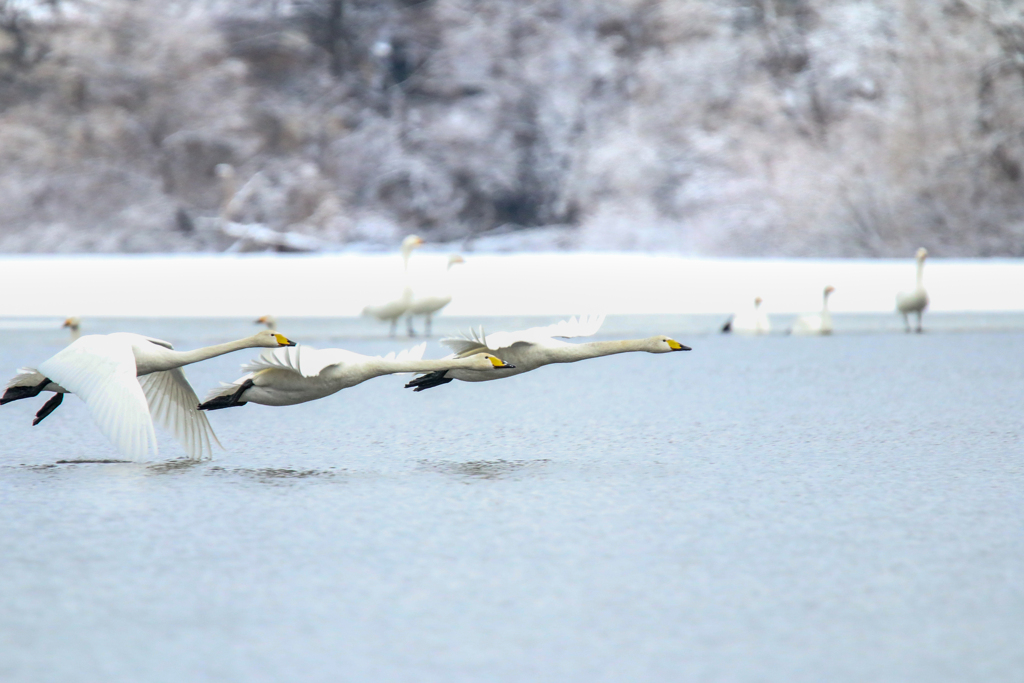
pixel 753 321
pixel 430 304
pixel 395 309
pixel 127 379
pixel 74 323
pixel 538 346
pixel 268 320
pixel 289 376
pixel 816 323
pixel 917 300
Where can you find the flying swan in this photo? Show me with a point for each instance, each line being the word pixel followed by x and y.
pixel 285 377
pixel 815 323
pixel 126 380
pixel 530 349
pixel 917 300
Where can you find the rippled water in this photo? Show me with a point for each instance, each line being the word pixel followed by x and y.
pixel 785 509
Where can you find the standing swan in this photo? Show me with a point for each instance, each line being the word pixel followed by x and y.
pixel 815 323
pixel 289 376
pixel 530 349
pixel 917 300
pixel 74 323
pixel 395 309
pixel 125 380
pixel 749 322
pixel 430 304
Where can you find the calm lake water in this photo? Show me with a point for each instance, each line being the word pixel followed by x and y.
pixel 758 509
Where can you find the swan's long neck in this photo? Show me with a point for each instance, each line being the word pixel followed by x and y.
pixel 920 273
pixel 382 366
pixel 171 359
pixel 570 353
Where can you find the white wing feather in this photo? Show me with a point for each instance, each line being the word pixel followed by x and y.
pixel 475 342
pixel 101 372
pixel 173 403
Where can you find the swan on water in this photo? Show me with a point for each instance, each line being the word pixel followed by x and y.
pixel 917 300
pixel 285 377
pixel 753 321
pixel 392 310
pixel 429 304
pixel 538 346
pixel 126 380
pixel 74 323
pixel 268 320
pixel 815 323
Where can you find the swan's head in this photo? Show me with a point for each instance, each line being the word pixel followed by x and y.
pixel 455 258
pixel 411 242
pixel 662 344
pixel 272 340
pixel 922 254
pixel 267 320
pixel 829 289
pixel 757 301
pixel 73 322
pixel 488 361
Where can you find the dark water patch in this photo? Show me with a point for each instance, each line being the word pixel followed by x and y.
pixel 484 469
pixel 104 461
pixel 275 473
pixel 172 466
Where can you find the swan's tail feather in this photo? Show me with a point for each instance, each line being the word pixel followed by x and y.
pixel 429 380
pixel 27 383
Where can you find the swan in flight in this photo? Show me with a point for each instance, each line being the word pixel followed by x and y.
pixel 74 323
pixel 430 304
pixel 126 380
pixel 815 323
pixel 285 377
pixel 917 300
pixel 749 322
pixel 395 309
pixel 268 320
pixel 530 349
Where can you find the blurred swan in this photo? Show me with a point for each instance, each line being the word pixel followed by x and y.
pixel 815 323
pixel 126 380
pixel 393 310
pixel 538 346
pixel 268 320
pixel 289 376
pixel 74 323
pixel 429 304
pixel 917 300
pixel 749 322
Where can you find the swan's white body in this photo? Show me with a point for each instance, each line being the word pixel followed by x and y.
pixel 538 346
pixel 427 304
pixel 392 310
pixel 753 321
pixel 915 301
pixel 127 379
pixel 818 323
pixel 285 377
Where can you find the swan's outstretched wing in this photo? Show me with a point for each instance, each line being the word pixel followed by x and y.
pixel 101 372
pixel 309 362
pixel 478 341
pixel 174 404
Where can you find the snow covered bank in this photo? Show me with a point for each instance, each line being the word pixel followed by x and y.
pixel 507 284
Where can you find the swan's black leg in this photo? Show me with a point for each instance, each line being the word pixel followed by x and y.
pixel 408 323
pixel 394 327
pixel 229 401
pixel 17 393
pixel 430 320
pixel 48 408
pixel 431 379
pixel 919 330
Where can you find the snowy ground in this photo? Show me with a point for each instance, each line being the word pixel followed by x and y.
pixel 487 284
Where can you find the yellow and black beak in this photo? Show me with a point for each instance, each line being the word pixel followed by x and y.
pixel 283 340
pixel 499 363
pixel 676 346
